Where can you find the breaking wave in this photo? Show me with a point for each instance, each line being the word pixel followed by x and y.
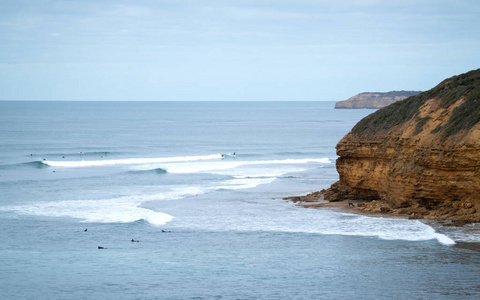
pixel 182 167
pixel 128 161
pixel 124 209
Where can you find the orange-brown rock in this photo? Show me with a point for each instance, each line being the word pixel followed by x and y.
pixel 419 156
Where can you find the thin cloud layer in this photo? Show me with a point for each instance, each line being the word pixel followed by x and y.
pixel 231 50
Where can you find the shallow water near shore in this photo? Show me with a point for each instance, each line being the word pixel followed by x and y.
pixel 200 186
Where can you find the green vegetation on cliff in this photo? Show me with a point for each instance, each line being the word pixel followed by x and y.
pixel 393 94
pixel 449 91
pixel 375 99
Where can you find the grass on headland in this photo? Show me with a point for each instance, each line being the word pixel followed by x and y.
pixel 449 91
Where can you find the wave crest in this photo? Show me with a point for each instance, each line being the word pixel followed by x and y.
pixel 129 161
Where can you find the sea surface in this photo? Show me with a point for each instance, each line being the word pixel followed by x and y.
pixel 198 186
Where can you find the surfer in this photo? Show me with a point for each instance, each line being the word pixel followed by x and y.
pixel 85 230
pixel 223 156
pixel 100 247
pixel 133 241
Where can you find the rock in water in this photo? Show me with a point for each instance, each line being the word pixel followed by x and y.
pixel 419 156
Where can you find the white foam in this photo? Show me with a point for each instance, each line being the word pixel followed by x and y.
pixel 244 183
pixel 101 211
pixel 266 216
pixel 384 228
pixel 392 229
pixel 248 174
pixel 198 167
pixel 469 233
pixel 116 210
pixel 128 161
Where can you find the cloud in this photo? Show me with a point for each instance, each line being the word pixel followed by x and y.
pixel 235 43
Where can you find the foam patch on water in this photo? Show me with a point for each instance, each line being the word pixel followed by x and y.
pixel 244 183
pixel 383 228
pixel 469 233
pixel 267 216
pixel 98 211
pixel 124 209
pixel 390 229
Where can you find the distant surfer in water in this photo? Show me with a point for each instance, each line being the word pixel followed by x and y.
pixel 100 247
pixel 133 241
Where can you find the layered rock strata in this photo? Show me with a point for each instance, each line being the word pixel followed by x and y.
pixel 419 156
pixel 375 100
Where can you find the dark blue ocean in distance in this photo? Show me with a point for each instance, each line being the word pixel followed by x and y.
pixel 199 185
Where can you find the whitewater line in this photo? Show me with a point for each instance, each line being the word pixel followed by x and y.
pixel 129 161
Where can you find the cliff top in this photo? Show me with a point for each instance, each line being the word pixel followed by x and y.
pixel 374 99
pixel 392 93
pixel 457 97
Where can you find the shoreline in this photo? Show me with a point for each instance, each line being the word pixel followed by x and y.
pixel 365 207
pixel 316 200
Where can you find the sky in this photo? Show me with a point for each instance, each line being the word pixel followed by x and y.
pixel 231 50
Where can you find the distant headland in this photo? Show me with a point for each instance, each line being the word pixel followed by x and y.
pixel 375 100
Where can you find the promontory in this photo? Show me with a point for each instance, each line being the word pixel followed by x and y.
pixel 375 100
pixel 418 157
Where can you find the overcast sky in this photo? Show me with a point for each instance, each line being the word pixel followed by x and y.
pixel 235 50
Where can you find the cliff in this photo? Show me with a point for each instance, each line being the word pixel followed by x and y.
pixel 419 156
pixel 375 100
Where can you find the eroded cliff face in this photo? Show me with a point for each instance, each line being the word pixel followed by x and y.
pixel 420 156
pixel 375 100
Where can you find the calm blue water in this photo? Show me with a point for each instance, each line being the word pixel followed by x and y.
pixel 209 227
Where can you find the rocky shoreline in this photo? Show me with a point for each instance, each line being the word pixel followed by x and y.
pixel 374 207
pixel 419 157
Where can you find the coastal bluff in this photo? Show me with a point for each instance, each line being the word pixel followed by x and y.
pixel 418 157
pixel 375 100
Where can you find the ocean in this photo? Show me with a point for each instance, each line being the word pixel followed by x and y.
pixel 198 187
